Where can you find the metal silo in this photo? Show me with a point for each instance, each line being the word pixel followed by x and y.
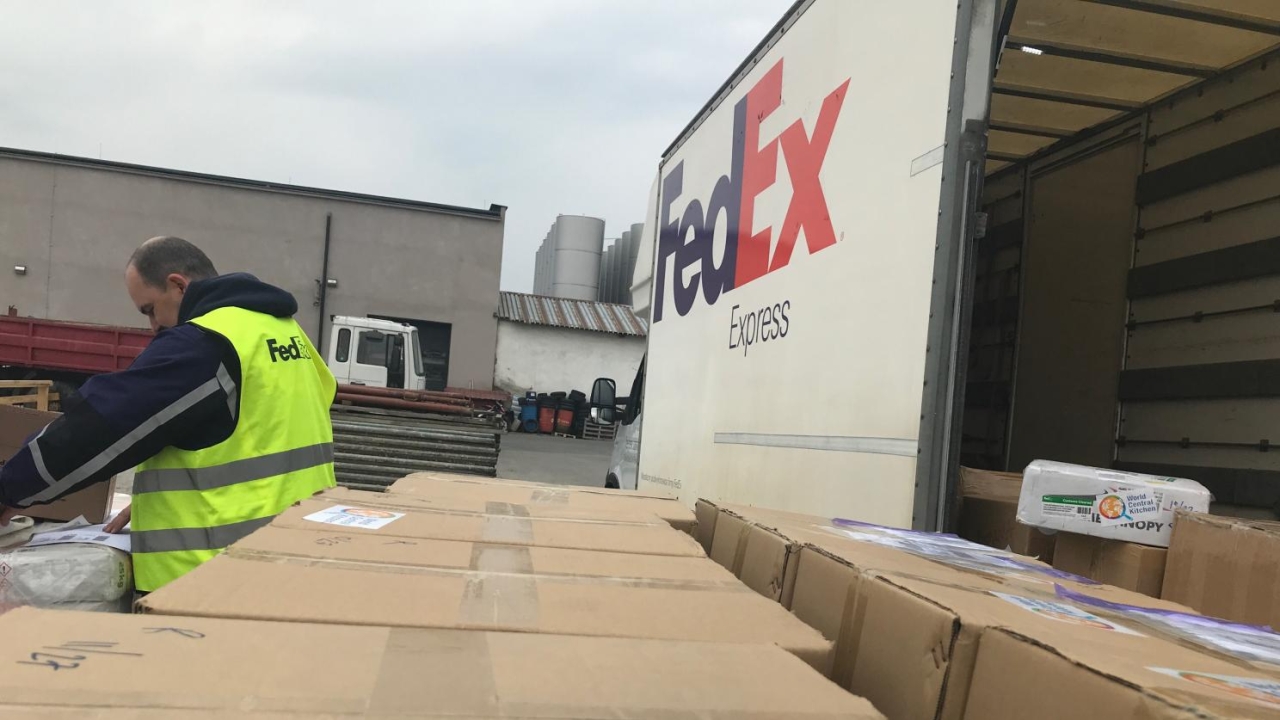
pixel 633 255
pixel 626 246
pixel 610 270
pixel 615 280
pixel 578 242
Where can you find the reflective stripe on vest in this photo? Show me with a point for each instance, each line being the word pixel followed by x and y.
pixel 211 538
pixel 234 472
pixel 190 504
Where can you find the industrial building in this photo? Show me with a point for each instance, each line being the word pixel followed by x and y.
pixel 548 344
pixel 573 263
pixel 70 223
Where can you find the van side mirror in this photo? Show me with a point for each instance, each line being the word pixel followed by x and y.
pixel 604 401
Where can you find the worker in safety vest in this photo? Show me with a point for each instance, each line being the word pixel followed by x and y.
pixel 225 415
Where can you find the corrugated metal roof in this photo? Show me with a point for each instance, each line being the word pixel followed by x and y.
pixel 575 314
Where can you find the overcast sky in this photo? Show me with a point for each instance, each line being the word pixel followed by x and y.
pixel 546 106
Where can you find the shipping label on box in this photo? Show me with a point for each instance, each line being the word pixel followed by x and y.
pixel 1105 503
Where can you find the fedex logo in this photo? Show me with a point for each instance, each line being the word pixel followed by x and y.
pixel 749 253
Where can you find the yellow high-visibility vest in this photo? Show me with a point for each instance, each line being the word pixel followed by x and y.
pixel 188 505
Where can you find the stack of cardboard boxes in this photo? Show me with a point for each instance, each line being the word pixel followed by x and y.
pixel 933 626
pixel 446 597
pixel 463 597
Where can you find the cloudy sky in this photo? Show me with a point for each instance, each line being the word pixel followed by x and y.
pixel 546 106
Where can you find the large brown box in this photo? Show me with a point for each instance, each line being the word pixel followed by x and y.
pixel 1127 565
pixel 838 562
pixel 1225 567
pixel 988 514
pixel 404 575
pixel 441 485
pixel 504 523
pixel 64 665
pixel 1053 669
pixel 757 553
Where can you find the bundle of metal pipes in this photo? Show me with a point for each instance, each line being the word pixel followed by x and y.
pixel 382 434
pixel 420 400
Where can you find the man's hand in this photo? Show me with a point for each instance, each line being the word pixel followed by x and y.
pixel 7 514
pixel 119 521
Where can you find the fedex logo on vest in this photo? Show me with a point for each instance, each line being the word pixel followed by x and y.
pixel 294 350
pixel 686 239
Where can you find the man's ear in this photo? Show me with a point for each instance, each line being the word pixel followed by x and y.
pixel 179 281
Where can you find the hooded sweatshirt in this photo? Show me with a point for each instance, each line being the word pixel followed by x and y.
pixel 176 393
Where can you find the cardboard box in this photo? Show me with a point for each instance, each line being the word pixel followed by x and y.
pixel 325 547
pixel 122 666
pixel 440 476
pixel 234 587
pixel 439 485
pixel 1255 647
pixel 370 577
pixel 990 484
pixel 762 546
pixel 94 502
pixel 705 513
pixel 832 567
pixel 1225 567
pixel 474 499
pixel 1106 503
pixel 1072 671
pixel 1127 565
pixel 505 524
pixel 988 514
pixel 956 629
pixel 761 556
pixel 826 599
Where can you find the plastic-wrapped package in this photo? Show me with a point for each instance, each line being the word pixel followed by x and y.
pixel 72 576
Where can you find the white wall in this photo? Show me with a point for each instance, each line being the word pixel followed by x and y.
pixel 547 359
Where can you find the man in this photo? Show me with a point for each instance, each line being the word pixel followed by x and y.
pixel 225 414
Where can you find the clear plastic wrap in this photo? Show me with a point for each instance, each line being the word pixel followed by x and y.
pixel 71 576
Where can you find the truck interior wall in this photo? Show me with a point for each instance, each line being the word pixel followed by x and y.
pixel 1201 385
pixel 1071 343
pixel 993 339
pixel 1146 309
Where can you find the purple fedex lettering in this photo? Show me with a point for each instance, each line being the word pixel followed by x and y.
pixel 673 236
pixel 687 240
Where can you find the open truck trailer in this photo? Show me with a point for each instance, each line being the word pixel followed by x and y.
pixel 906 235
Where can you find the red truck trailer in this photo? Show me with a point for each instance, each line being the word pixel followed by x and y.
pixel 67 353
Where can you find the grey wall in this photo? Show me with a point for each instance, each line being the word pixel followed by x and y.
pixel 74 227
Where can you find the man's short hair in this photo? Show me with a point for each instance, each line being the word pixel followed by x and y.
pixel 158 258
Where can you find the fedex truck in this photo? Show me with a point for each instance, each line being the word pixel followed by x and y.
pixel 906 235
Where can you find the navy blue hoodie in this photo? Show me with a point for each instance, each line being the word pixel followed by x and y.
pixel 181 391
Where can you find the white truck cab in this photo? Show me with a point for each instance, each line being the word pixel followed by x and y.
pixel 378 353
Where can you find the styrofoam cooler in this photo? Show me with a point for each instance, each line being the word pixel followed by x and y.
pixel 1106 503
